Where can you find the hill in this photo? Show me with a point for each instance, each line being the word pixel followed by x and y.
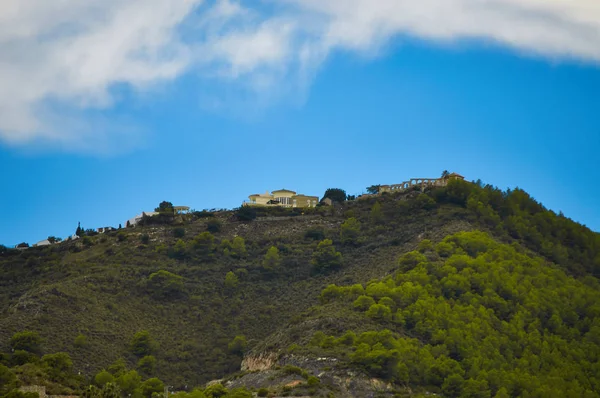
pixel 462 290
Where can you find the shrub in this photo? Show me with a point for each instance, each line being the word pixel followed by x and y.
pixel 165 284
pixel 238 247
pixel 129 381
pixel 376 216
pixel 246 213
pixel 8 380
pixel 179 251
pixel 238 345
pixel 147 364
pixel 21 357
pixel 215 390
pixel 272 259
pixel 350 231
pixel 80 341
pixel 326 258
pixel 143 344
pixel 153 385
pixel 179 232
pixel 379 312
pixel 121 237
pixel 363 303
pixel 313 380
pixel 315 234
pixel 203 245
pixel 58 364
pixel 145 238
pixel 26 341
pixel 231 281
pixel 214 225
pixel 102 378
pixel 262 392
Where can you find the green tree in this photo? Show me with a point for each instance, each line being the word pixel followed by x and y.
pixel 380 312
pixel 58 365
pixel 376 215
pixel 129 382
pixel 238 345
pixel 179 250
pixel 27 341
pixel 363 303
pixel 165 284
pixel 215 391
pixel 147 364
pixel 315 234
pixel 91 392
pixel 238 247
pixel 272 260
pixel 8 380
pixel 453 386
pixel 165 208
pixel 335 194
pixel 80 341
pixel 373 189
pixel 204 245
pixel 240 392
pixel 350 231
pixel 143 344
pixel 214 225
pixel 102 378
pixel 152 385
pixel 326 258
pixel 246 213
pixel 21 357
pixel 118 368
pixel 111 390
pixel 231 281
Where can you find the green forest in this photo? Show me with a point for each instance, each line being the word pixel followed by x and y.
pixel 464 290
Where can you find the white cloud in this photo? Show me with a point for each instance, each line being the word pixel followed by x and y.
pixel 59 59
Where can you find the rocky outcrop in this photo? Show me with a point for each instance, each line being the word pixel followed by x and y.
pixel 259 362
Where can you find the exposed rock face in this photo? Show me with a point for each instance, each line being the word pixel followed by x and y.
pixel 259 362
pixel 266 370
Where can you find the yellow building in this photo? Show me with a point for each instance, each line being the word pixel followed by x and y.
pixel 283 198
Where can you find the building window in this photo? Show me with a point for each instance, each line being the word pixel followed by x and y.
pixel 284 201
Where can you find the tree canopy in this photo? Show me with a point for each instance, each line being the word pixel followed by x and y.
pixel 335 194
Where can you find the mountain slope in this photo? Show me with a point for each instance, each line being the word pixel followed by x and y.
pixel 222 285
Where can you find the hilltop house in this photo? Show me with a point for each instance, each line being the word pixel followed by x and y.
pixel 132 222
pixel 419 182
pixel 44 242
pixel 282 198
pixel 102 230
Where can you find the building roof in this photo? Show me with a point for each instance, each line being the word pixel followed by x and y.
pixel 455 175
pixel 284 190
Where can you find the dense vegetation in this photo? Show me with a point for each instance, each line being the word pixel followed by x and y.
pixel 183 298
pixel 471 317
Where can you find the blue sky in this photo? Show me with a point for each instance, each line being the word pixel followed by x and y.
pixel 379 107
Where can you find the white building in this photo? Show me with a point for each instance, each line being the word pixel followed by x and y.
pixel 44 242
pixel 132 222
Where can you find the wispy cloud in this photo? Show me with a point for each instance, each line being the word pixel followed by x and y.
pixel 60 59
